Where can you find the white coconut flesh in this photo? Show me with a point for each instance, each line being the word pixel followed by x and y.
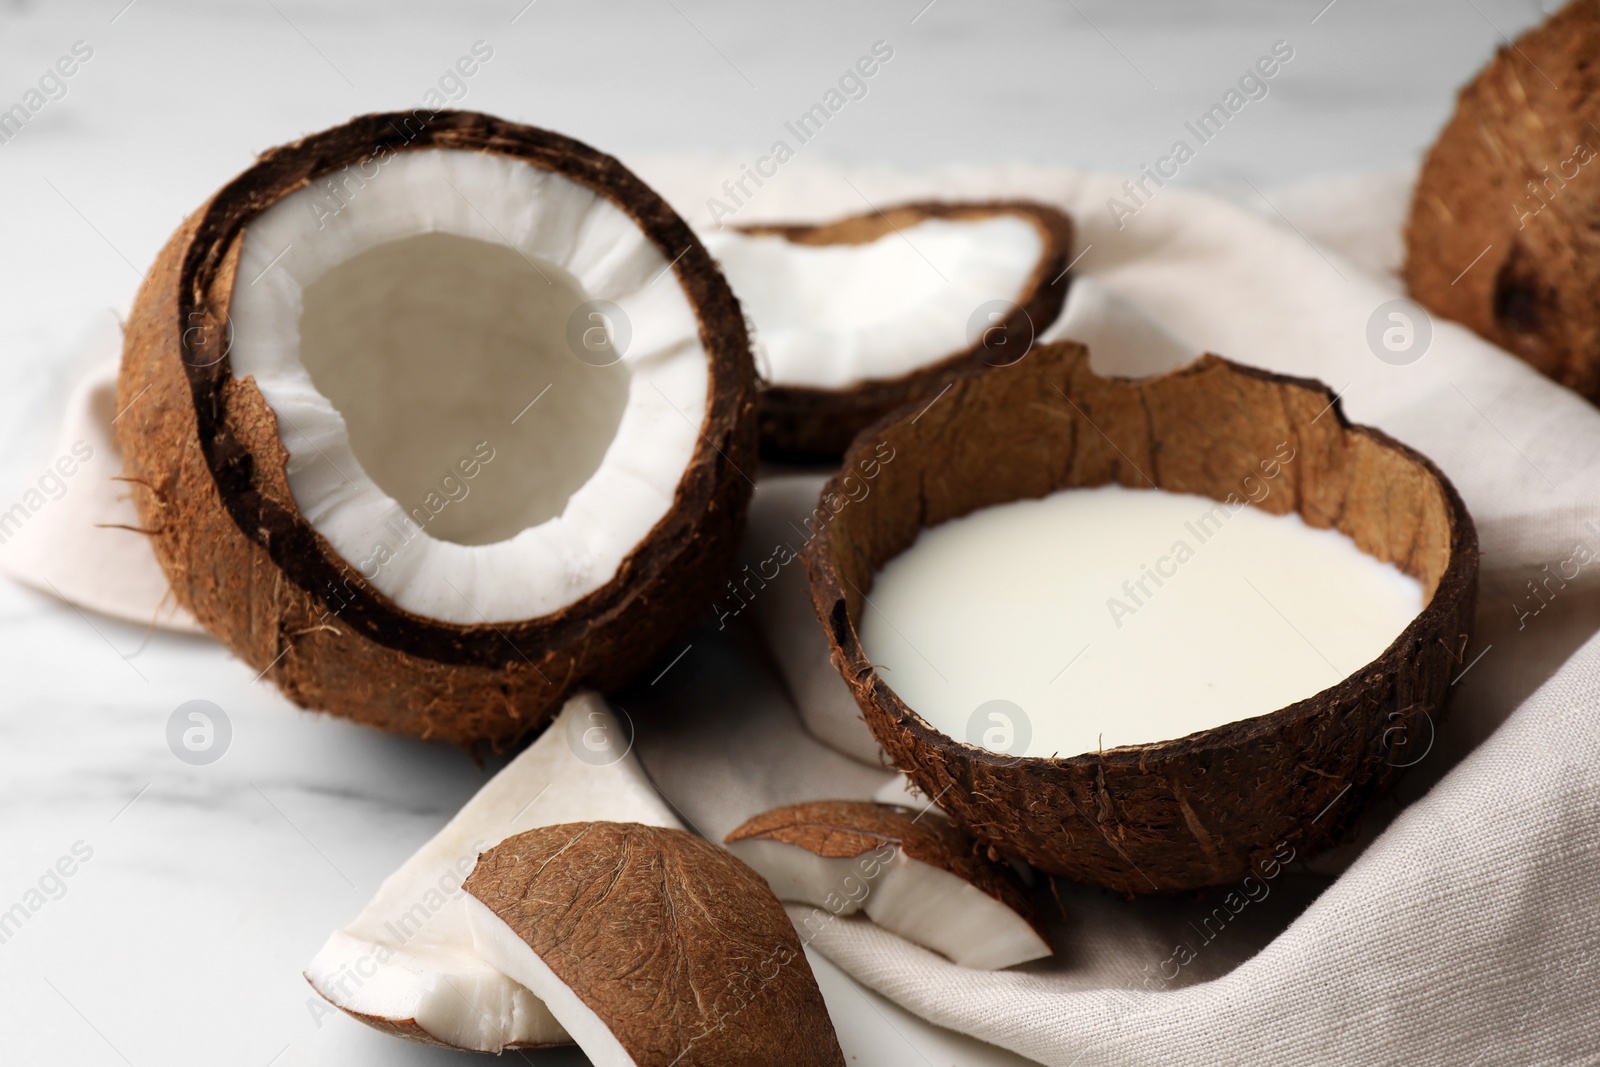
pixel 410 954
pixel 496 941
pixel 924 904
pixel 833 316
pixel 463 425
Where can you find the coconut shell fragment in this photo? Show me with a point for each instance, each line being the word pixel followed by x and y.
pixel 1501 233
pixel 846 829
pixel 808 423
pixel 207 466
pixel 905 866
pixel 1199 810
pixel 673 951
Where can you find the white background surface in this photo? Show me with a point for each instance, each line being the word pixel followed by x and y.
pixel 181 940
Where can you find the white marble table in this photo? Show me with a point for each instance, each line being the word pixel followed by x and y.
pixel 180 939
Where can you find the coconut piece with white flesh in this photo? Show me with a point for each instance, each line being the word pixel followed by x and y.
pixel 857 316
pixel 434 419
pixel 919 877
pixel 651 946
pixel 406 964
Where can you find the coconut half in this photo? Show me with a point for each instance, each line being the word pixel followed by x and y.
pixel 919 877
pixel 857 316
pixel 651 946
pixel 406 964
pixel 436 417
pixel 1501 233
pixel 1198 810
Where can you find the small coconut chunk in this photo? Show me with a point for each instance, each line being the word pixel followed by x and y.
pixel 406 965
pixel 651 946
pixel 921 878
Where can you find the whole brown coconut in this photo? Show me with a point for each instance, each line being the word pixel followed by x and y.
pixel 1199 810
pixel 204 451
pixel 809 423
pixel 1504 221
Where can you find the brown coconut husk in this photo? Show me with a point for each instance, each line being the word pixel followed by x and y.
pixel 680 949
pixel 804 423
pixel 845 829
pixel 1200 810
pixel 203 452
pixel 1504 221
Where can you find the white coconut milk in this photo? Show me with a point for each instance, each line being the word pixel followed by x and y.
pixel 1094 618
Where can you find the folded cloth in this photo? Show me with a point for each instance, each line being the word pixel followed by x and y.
pixel 1463 931
pixel 1460 931
pixel 82 543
